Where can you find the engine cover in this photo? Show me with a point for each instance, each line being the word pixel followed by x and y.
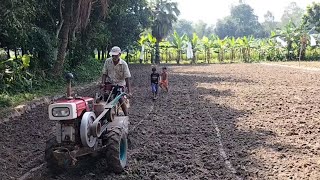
pixel 65 109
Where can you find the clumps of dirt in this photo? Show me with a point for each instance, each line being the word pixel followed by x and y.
pixel 264 118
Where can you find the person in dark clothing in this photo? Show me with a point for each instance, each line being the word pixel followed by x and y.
pixel 155 77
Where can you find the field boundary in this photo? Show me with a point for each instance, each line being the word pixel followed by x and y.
pixel 12 112
pixel 307 69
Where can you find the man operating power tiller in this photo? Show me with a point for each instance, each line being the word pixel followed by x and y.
pixel 116 72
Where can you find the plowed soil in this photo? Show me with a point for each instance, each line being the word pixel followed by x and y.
pixel 239 121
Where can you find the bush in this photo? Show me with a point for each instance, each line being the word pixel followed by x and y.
pixel 14 76
pixel 87 71
pixel 5 100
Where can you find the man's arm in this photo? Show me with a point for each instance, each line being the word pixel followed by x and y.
pixel 127 75
pixel 128 85
pixel 103 80
pixel 104 73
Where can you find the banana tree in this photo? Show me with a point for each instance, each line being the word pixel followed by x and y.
pixel 165 45
pixel 261 48
pixel 178 42
pixel 142 41
pixel 195 46
pixel 206 42
pixel 274 51
pixel 219 45
pixel 232 44
pixel 149 42
pixel 289 34
pixel 245 44
pixel 302 40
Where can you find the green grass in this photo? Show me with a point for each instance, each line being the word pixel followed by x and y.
pixel 7 100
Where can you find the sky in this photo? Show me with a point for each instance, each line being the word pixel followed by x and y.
pixel 210 11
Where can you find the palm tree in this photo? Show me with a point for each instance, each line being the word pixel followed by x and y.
pixel 165 13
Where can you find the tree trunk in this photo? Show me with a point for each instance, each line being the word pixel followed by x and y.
pixel 127 57
pixel 23 51
pixel 8 53
pixel 99 56
pixel 63 39
pixel 15 53
pixel 232 55
pixel 167 56
pixel 222 55
pixel 194 58
pixel 303 52
pixel 243 54
pixel 157 58
pixel 107 50
pixel 208 56
pixel 151 57
pixel 179 56
pixel 103 52
pixel 289 48
pixel 145 56
pixel 198 56
pixel 205 54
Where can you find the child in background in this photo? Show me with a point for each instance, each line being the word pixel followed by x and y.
pixel 154 82
pixel 164 79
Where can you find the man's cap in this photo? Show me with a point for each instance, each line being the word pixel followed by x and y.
pixel 115 51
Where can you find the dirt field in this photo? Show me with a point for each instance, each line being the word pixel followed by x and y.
pixel 239 121
pixel 311 65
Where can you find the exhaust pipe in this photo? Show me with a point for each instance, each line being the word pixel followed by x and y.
pixel 69 77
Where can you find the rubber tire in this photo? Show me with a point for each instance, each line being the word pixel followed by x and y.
pixel 52 163
pixel 116 149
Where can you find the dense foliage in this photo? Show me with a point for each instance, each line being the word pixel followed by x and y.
pixel 241 37
pixel 42 39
